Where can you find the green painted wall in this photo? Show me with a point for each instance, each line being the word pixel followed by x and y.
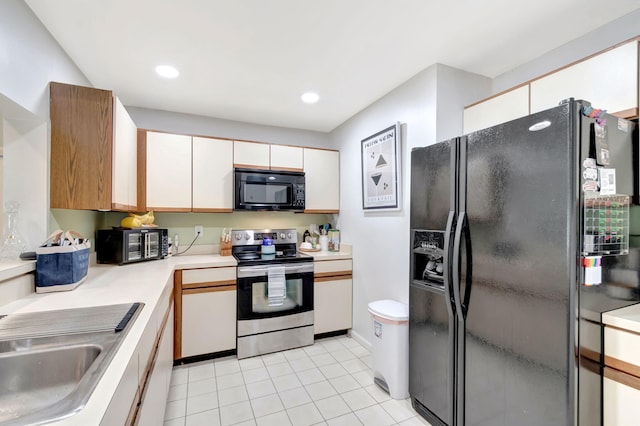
pixel 86 222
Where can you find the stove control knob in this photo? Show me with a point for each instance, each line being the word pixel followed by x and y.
pixel 289 235
pixel 246 236
pixel 282 235
pixel 238 236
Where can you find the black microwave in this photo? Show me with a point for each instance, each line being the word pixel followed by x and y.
pixel 124 245
pixel 268 190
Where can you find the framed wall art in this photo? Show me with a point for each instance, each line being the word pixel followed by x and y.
pixel 381 174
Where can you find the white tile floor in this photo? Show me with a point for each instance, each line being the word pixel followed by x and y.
pixel 329 383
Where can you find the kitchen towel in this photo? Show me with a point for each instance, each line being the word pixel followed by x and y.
pixel 276 285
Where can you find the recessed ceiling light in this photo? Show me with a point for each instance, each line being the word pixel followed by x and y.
pixel 310 98
pixel 167 71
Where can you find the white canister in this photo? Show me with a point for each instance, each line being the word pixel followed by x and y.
pixel 324 243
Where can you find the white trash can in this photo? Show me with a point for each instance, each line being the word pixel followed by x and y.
pixel 391 347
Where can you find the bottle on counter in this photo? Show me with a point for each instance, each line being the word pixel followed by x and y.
pixel 324 242
pixel 334 240
pixel 176 244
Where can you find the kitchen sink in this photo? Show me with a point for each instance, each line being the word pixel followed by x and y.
pixel 51 375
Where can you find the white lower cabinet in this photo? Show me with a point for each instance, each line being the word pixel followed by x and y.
pixel 208 322
pixel 141 395
pixel 621 387
pixel 154 397
pixel 332 295
pixel 332 305
pixel 620 402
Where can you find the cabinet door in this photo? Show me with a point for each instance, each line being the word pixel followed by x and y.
pixel 81 147
pixel 322 178
pixel 251 155
pixel 499 109
pixel 286 157
pixel 212 175
pixel 608 80
pixel 332 305
pixel 208 321
pixel 154 399
pixel 124 182
pixel 621 394
pixel 168 172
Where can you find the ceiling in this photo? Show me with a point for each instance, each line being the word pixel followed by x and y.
pixel 250 60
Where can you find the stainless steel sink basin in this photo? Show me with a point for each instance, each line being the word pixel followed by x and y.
pixel 51 376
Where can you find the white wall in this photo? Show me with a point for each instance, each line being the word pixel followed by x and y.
pixel 26 168
pixel 622 29
pixel 207 126
pixel 431 105
pixel 29 59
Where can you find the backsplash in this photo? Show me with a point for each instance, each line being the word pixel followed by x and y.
pixel 86 222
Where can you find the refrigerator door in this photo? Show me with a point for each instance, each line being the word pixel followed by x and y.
pixel 518 202
pixel 431 318
pixel 620 276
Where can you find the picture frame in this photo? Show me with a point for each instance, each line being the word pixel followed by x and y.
pixel 381 155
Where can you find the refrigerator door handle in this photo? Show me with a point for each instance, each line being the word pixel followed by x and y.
pixel 462 306
pixel 459 418
pixel 447 262
pixel 462 218
pixel 453 335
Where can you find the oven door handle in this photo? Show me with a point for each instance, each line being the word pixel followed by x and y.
pixel 256 271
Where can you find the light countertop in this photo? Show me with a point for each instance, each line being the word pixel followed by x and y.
pixel 143 282
pixel 627 318
pixel 344 253
pixel 13 268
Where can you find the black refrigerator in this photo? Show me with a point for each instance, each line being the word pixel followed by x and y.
pixel 519 239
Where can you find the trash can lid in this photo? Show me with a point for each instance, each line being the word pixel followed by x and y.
pixel 390 309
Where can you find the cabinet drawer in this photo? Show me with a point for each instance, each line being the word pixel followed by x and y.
pixel 225 275
pixel 622 350
pixel 329 267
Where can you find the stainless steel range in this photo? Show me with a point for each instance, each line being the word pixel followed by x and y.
pixel 275 291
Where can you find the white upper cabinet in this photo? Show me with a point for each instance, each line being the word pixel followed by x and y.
pixel 212 174
pixel 124 189
pixel 168 165
pixel 251 155
pixel 286 157
pixel 499 109
pixel 322 180
pixel 255 155
pixel 608 80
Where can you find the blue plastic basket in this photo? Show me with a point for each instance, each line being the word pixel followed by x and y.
pixel 63 266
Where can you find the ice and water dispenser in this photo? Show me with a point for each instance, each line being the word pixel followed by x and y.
pixel 427 261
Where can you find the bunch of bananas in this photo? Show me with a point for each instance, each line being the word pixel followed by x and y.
pixel 138 221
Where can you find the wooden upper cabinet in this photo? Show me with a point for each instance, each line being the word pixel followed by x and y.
pixel 608 80
pixel 498 109
pixel 251 155
pixel 93 150
pixel 286 157
pixel 164 172
pixel 81 147
pixel 212 175
pixel 322 180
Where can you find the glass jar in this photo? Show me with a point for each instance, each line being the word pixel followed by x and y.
pixel 13 244
pixel 334 240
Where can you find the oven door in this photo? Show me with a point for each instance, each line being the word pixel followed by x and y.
pixel 264 293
